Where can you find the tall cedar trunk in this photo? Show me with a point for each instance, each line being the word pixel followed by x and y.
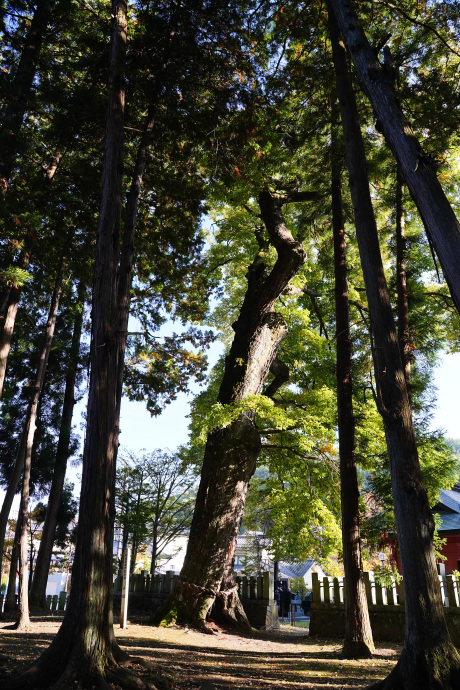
pixel 26 441
pixel 10 598
pixel 10 298
pixel 429 658
pixel 417 168
pixel 29 428
pixel 231 452
pixel 358 640
pixel 401 282
pixel 37 594
pixel 20 90
pixel 84 651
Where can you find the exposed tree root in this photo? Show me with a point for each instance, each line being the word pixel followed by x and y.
pixel 228 609
pixel 79 676
pixel 188 604
pixel 435 669
pixel 121 677
pixel 192 606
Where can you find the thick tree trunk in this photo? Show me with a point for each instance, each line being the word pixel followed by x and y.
pixel 401 283
pixel 429 658
pixel 37 594
pixel 23 622
pixel 417 168
pixel 358 642
pixel 84 652
pixel 231 452
pixel 19 92
pixel 27 436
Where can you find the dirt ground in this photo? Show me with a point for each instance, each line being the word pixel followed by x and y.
pixel 183 659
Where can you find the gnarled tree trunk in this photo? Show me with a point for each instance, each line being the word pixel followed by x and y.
pixel 231 452
pixel 429 659
pixel 358 640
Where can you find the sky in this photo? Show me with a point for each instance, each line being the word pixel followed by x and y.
pixel 139 430
pixel 447 381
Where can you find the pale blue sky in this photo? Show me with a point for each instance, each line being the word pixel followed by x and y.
pixel 139 430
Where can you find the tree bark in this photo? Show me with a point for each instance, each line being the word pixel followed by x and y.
pixel 37 594
pixel 429 658
pixel 358 642
pixel 401 283
pixel 231 452
pixel 417 168
pixel 20 91
pixel 23 622
pixel 153 563
pixel 84 651
pixel 10 598
pixel 10 297
pixel 27 436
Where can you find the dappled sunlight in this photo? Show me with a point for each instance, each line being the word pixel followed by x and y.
pixel 264 660
pixel 189 660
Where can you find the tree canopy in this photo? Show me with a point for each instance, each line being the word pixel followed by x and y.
pixel 179 155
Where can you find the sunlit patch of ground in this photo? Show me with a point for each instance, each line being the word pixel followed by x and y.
pixel 182 659
pixel 287 659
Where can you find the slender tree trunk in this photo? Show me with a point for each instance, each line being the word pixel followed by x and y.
pixel 10 599
pixel 23 622
pixel 26 442
pixel 429 658
pixel 401 283
pixel 153 564
pixel 417 168
pixel 20 90
pixel 231 452
pixel 37 595
pixel 9 309
pixel 358 641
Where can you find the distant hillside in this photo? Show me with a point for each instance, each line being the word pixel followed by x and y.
pixel 454 443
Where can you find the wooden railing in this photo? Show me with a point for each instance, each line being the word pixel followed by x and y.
pixel 331 590
pixel 254 587
pixel 386 607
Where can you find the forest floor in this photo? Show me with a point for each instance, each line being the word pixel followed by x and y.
pixel 184 659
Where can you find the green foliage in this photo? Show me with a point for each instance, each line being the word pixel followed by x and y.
pixel 454 445
pixel 298 585
pixel 387 574
pixel 155 500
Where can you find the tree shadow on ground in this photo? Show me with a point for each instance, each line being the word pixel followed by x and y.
pixel 181 659
pixel 312 664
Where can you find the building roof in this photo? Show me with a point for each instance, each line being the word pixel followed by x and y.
pixel 295 569
pixel 448 509
pixel 449 500
pixel 449 521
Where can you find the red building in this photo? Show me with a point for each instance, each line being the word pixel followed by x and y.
pixel 448 509
pixel 448 526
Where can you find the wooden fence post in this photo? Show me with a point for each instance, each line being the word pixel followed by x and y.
pixel 125 588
